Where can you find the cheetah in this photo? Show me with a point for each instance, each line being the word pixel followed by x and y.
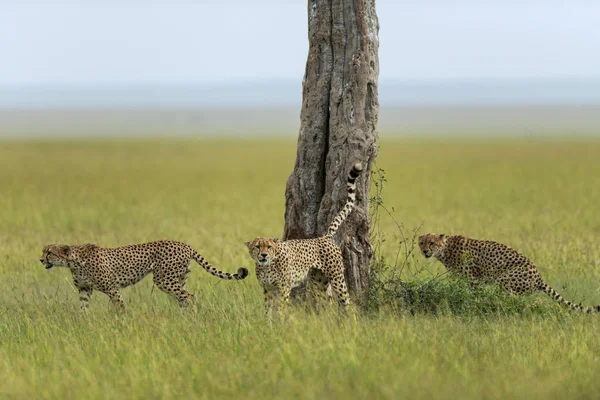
pixel 490 262
pixel 284 264
pixel 110 269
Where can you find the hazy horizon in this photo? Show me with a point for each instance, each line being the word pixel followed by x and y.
pixel 117 67
pixel 288 93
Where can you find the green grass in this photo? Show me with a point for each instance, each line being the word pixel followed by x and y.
pixel 540 197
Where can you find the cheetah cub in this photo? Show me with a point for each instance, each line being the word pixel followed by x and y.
pixel 110 269
pixel 283 264
pixel 491 262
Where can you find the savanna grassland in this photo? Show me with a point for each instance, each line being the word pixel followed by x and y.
pixel 539 196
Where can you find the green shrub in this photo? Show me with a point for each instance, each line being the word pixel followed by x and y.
pixel 427 293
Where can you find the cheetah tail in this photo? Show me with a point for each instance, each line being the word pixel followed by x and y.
pixel 241 274
pixel 557 297
pixel 342 215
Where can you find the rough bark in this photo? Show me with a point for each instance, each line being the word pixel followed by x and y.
pixel 339 116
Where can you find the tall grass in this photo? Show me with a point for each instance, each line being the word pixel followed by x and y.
pixel 537 196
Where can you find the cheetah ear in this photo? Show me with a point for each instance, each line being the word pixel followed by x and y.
pixel 443 235
pixel 247 244
pixel 275 240
pixel 64 250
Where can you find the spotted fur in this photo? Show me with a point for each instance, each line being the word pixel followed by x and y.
pixel 283 265
pixel 491 262
pixel 110 269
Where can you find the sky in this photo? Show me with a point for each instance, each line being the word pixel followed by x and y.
pixel 93 42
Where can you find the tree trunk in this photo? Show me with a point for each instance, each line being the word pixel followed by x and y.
pixel 339 116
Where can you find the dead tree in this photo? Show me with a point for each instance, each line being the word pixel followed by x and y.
pixel 338 127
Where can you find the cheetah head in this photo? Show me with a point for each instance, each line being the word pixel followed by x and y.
pixel 55 255
pixel 60 255
pixel 263 250
pixel 432 244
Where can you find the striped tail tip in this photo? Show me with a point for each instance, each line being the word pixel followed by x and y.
pixel 573 306
pixel 356 170
pixel 242 273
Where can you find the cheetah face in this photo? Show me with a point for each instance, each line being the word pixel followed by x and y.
pixel 55 255
pixel 432 244
pixel 263 250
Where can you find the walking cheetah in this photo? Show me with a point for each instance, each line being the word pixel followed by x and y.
pixel 109 269
pixel 491 262
pixel 283 265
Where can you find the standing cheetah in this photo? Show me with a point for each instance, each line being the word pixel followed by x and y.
pixel 283 265
pixel 491 262
pixel 110 269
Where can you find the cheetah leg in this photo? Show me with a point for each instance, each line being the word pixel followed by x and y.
pixel 189 298
pixel 276 299
pixel 175 289
pixel 285 294
pixel 186 299
pixel 469 271
pixel 183 297
pixel 84 298
pixel 334 271
pixel 270 298
pixel 520 280
pixel 507 281
pixel 338 282
pixel 318 289
pixel 116 299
